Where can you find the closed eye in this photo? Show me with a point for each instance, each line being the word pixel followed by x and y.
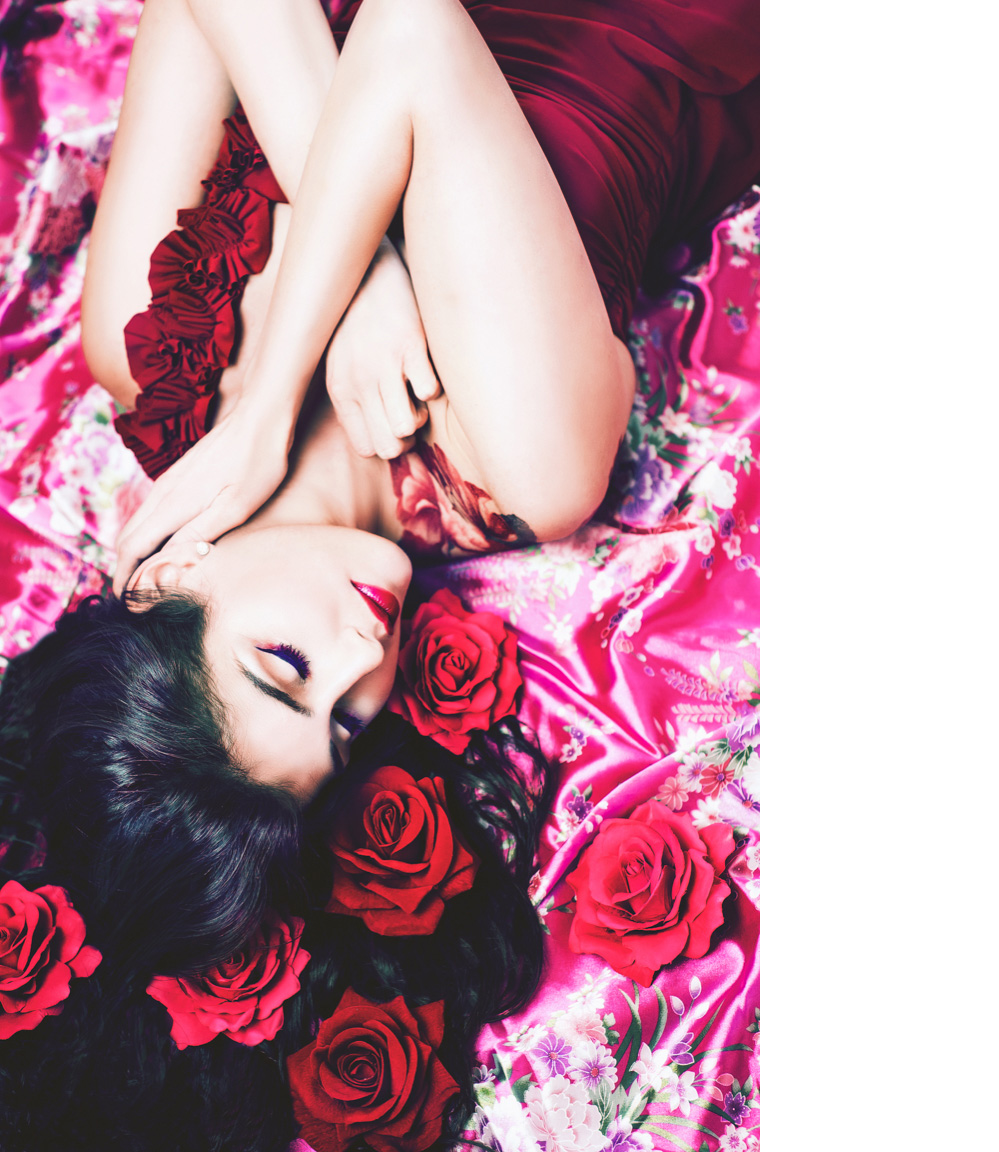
pixel 290 656
pixel 348 721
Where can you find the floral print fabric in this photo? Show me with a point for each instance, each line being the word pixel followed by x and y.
pixel 638 636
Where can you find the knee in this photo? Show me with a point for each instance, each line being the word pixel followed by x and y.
pixel 408 34
pixel 104 352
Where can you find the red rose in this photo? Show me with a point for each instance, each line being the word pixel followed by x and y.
pixel 398 858
pixel 41 949
pixel 244 995
pixel 457 672
pixel 373 1072
pixel 649 889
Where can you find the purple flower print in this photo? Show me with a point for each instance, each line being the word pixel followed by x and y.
pixel 743 795
pixel 647 494
pixel 709 560
pixel 744 728
pixel 555 1053
pixel 623 1139
pixel 746 560
pixel 579 806
pixel 726 525
pixel 737 1106
pixel 680 1052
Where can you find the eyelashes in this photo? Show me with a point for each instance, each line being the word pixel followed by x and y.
pixel 348 721
pixel 352 725
pixel 290 656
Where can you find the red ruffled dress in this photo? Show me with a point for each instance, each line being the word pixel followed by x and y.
pixel 648 112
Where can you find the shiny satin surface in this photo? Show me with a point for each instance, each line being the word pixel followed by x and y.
pixel 639 636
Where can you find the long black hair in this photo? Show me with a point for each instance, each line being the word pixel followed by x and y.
pixel 117 781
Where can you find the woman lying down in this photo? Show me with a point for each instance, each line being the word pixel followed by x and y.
pixel 389 295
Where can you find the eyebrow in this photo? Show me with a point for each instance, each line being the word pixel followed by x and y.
pixel 274 693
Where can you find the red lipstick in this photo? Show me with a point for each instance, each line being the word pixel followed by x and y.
pixel 383 605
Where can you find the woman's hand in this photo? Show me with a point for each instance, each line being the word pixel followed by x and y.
pixel 215 486
pixel 378 370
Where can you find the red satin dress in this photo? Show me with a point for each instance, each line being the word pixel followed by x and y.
pixel 648 112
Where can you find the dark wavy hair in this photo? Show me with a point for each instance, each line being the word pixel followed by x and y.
pixel 117 782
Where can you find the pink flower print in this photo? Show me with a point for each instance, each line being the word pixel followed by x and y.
pixel 561 1114
pixel 580 1024
pixel 715 778
pixel 733 1139
pixel 673 793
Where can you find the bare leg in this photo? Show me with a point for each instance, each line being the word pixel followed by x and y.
pixel 188 62
pixel 537 389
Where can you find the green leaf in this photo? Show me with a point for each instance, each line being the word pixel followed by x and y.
pixel 660 1028
pixel 727 1048
pixel 632 1041
pixel 674 1140
pixel 502 1067
pixel 704 1031
pixel 519 1088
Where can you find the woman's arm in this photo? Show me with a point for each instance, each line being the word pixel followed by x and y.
pixel 537 388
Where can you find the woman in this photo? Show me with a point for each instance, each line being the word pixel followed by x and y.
pixel 529 368
pixel 138 864
pixel 519 382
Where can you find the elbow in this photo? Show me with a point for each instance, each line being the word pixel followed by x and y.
pixel 104 353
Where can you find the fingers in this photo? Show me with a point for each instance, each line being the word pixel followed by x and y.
pixel 140 538
pixel 422 377
pixel 380 419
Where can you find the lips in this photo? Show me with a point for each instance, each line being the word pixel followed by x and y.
pixel 383 605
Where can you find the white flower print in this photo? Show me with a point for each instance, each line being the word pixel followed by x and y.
pixel 708 811
pixel 591 1063
pixel 602 587
pixel 507 1129
pixel 733 1139
pixel 717 487
pixel 579 1024
pixel 527 1038
pixel 740 447
pixel 732 547
pixel 681 1091
pixel 742 231
pixel 560 1114
pixel 651 1068
pixel 676 423
pixel 704 541
pixel 630 622
pixel 591 994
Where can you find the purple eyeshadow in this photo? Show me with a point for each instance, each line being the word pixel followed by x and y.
pixel 291 656
pixel 349 721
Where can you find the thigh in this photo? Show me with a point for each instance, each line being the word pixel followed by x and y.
pixel 176 96
pixel 534 377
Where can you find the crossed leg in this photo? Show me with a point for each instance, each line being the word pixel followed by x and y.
pixel 537 388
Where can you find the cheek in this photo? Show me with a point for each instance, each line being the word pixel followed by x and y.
pixel 285 752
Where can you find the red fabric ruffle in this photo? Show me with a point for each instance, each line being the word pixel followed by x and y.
pixel 180 345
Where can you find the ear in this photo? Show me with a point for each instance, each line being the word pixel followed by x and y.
pixel 172 567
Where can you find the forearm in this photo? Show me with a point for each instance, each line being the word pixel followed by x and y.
pixel 357 168
pixel 282 59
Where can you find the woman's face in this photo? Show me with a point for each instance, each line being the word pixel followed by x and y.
pixel 301 647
